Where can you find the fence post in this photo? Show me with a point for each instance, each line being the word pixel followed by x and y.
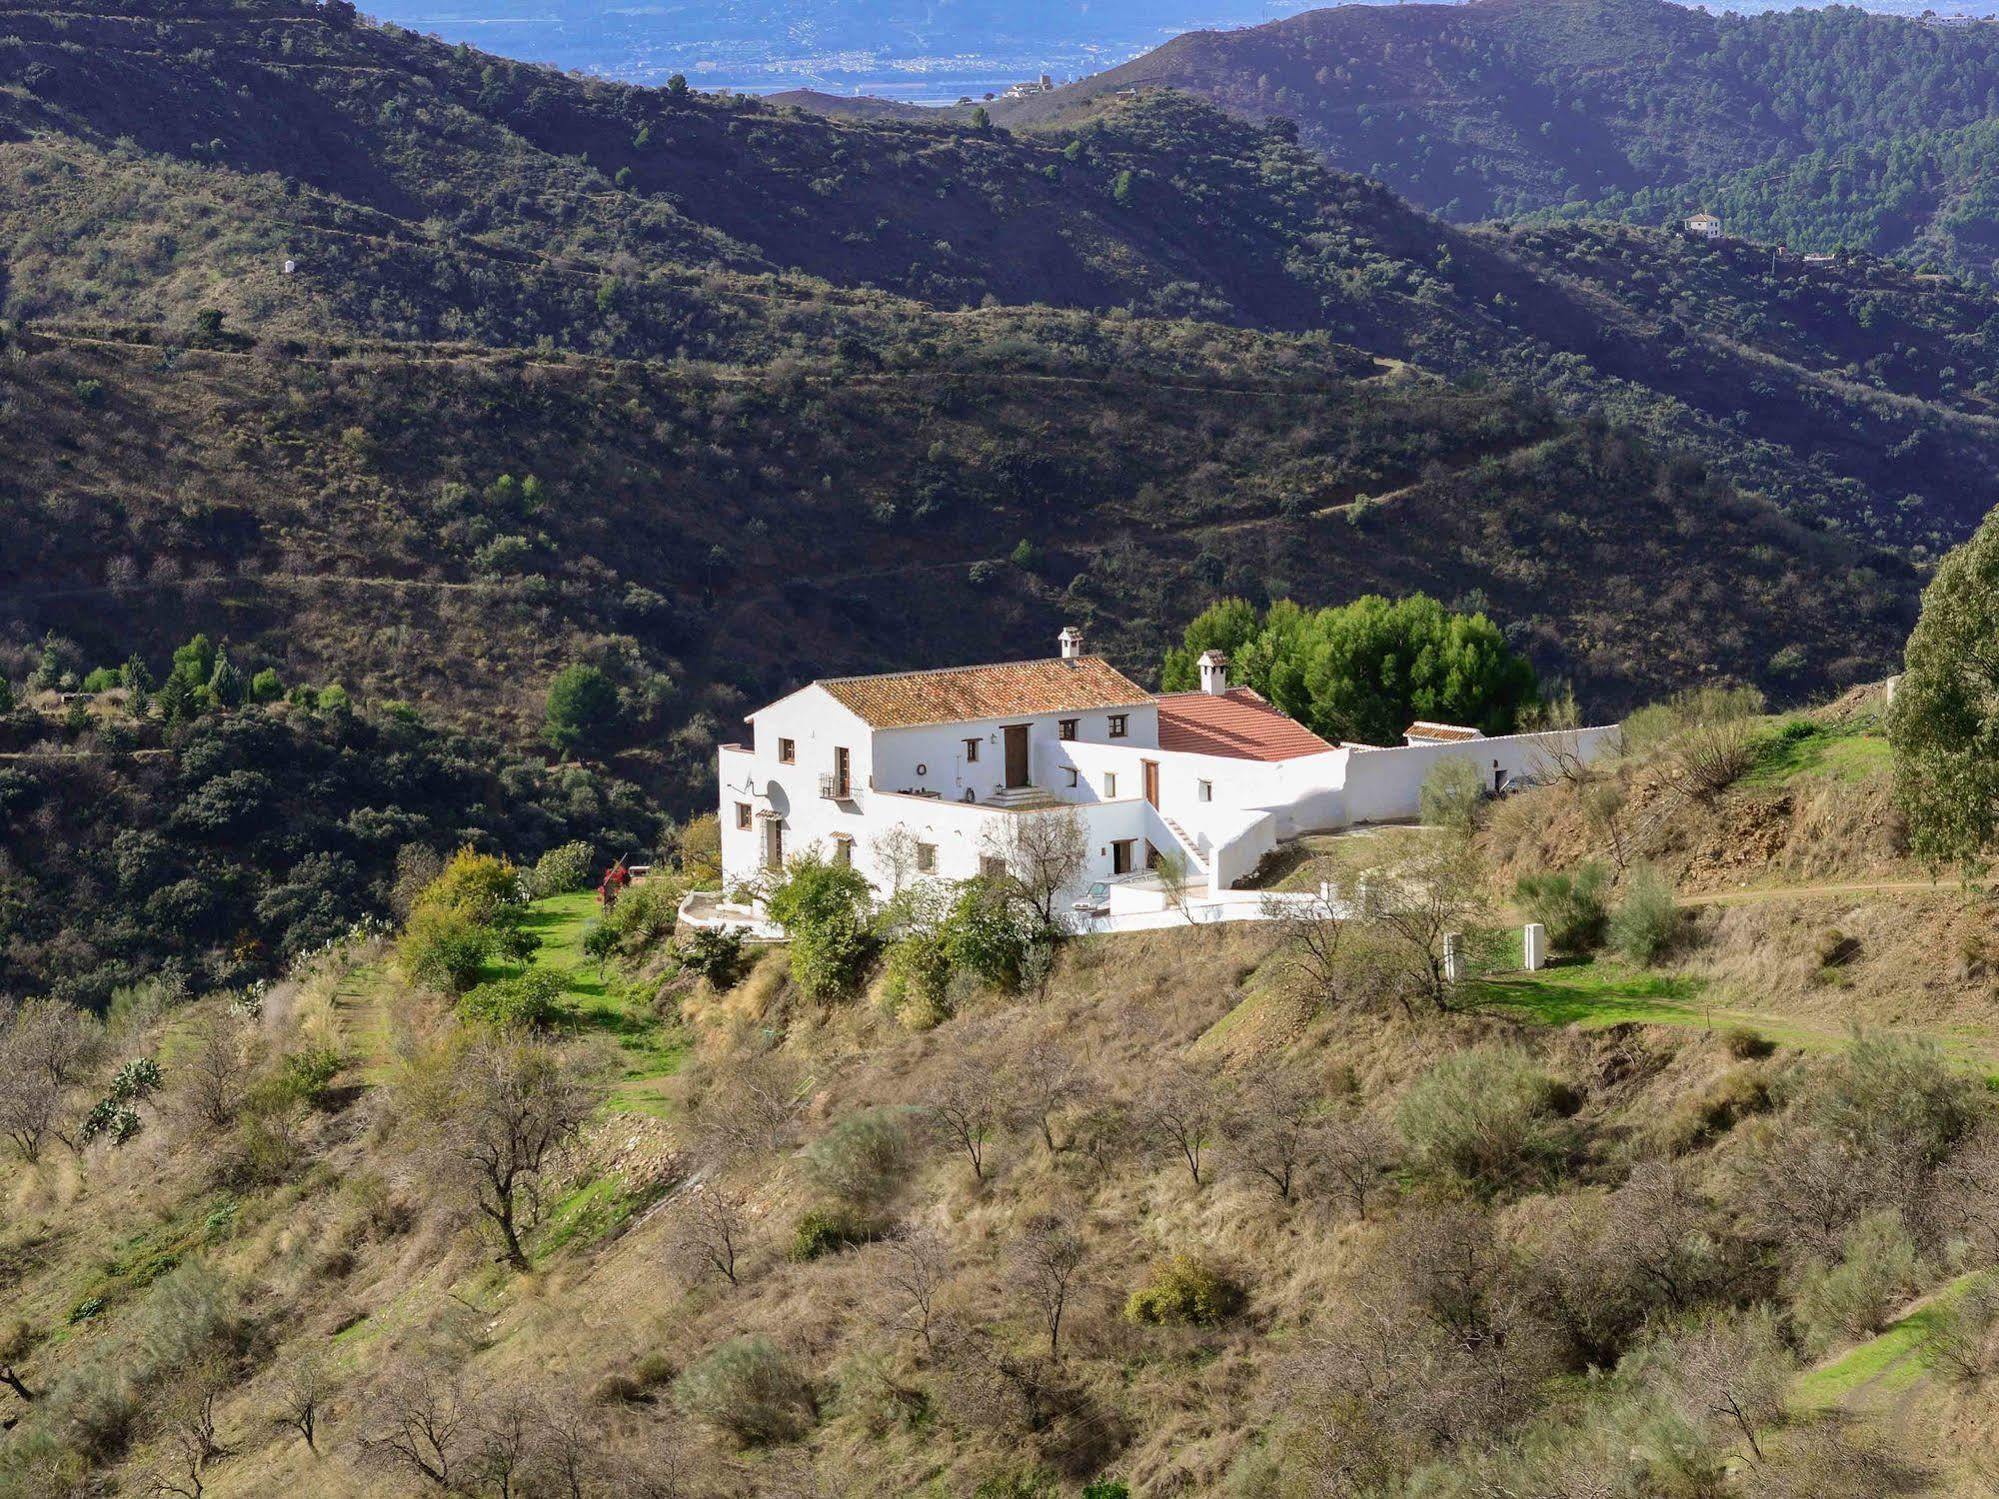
pixel 1534 946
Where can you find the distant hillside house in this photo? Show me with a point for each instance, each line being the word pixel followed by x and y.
pixel 1706 225
pixel 927 767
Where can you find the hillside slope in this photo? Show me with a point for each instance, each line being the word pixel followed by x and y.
pixel 1146 1222
pixel 774 377
pixel 1813 126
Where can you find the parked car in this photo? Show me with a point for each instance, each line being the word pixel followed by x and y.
pixel 1096 901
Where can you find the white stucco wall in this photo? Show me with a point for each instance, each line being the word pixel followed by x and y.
pixel 1385 785
pixel 933 757
pixel 1255 805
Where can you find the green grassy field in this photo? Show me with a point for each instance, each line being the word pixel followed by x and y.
pixel 1594 993
pixel 1791 747
pixel 599 1001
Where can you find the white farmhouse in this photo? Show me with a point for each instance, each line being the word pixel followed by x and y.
pixel 1706 225
pixel 931 763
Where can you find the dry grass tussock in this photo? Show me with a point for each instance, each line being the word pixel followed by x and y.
pixel 1771 827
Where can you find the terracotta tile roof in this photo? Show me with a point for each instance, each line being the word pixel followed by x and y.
pixel 1421 729
pixel 954 694
pixel 1239 723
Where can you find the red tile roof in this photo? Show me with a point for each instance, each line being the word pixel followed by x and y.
pixel 1239 723
pixel 1440 732
pixel 954 694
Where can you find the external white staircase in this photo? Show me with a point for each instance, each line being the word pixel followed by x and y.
pixel 1195 863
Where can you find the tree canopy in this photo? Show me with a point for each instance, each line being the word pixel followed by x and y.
pixel 1362 671
pixel 1944 725
pixel 582 707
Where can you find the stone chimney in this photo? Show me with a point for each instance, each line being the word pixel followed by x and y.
pixel 1214 673
pixel 1071 641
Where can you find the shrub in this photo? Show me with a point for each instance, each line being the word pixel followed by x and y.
pixel 1834 949
pixel 1746 1045
pixel 822 1231
pixel 1714 740
pixel 862 1162
pixel 1487 1117
pixel 1573 907
pixel 1895 1094
pixel 990 933
pixel 307 1074
pixel 823 908
pixel 918 989
pixel 1452 794
pixel 1877 1271
pixel 716 956
pixel 749 1390
pixel 1698 1118
pixel 1648 920
pixel 1187 1291
pixel 528 1001
pixel 443 947
pixel 645 914
pixel 561 870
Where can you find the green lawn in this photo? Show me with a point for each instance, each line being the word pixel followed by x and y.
pixel 1792 747
pixel 603 1002
pixel 1595 993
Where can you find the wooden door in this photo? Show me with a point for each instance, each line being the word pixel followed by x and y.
pixel 773 843
pixel 1121 856
pixel 1016 754
pixel 1151 781
pixel 843 765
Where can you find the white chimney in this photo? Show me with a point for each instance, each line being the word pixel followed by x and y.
pixel 1214 673
pixel 1071 641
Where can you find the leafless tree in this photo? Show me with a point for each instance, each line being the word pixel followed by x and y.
pixel 509 1432
pixel 46 1049
pixel 1603 804
pixel 1436 885
pixel 969 1106
pixel 1177 882
pixel 894 853
pixel 1184 1112
pixel 1356 1148
pixel 422 1427
pixel 15 1346
pixel 915 1267
pixel 1969 1189
pixel 502 1107
pixel 1661 1220
pixel 1277 1122
pixel 710 1230
pixel 1046 853
pixel 188 1439
pixel 1311 930
pixel 1047 1264
pixel 753 1104
pixel 213 1066
pixel 1802 1190
pixel 1735 1370
pixel 303 1387
pixel 1045 1082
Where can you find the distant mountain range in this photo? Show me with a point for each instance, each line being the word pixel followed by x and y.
pixel 1816 128
pixel 899 48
